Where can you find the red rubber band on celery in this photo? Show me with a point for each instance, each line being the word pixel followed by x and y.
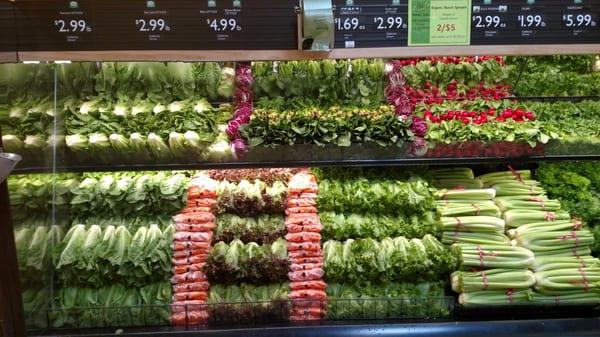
pixel 550 216
pixel 509 293
pixel 459 226
pixel 459 187
pixel 541 201
pixel 486 282
pixel 573 235
pixel 482 255
pixel 515 173
pixel 477 209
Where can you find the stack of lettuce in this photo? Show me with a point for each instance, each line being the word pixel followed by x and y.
pixel 565 272
pixel 248 261
pixel 492 272
pixel 112 256
pixel 125 111
pixel 371 255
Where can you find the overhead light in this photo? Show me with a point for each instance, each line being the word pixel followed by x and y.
pixel 62 62
pixel 31 62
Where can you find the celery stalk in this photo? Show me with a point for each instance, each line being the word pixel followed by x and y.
pixel 551 241
pixel 471 210
pixel 491 279
pixel 495 297
pixel 538 204
pixel 553 282
pixel 491 177
pixel 451 237
pixel 517 218
pixel 568 262
pixel 473 224
pixel 495 256
pixel 478 194
pixel 455 183
pixel 453 172
pixel 570 298
pixel 510 189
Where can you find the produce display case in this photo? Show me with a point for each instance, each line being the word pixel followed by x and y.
pixel 213 176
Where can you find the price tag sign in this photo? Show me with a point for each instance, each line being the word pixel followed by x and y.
pixel 242 24
pixel 491 22
pixel 579 21
pixel 136 24
pixel 369 24
pixel 55 25
pixel 439 22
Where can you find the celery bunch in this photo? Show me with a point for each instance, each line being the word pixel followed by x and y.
pixel 495 297
pixel 495 256
pixel 492 279
pixel 519 217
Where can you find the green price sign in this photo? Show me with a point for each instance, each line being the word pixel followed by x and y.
pixel 439 22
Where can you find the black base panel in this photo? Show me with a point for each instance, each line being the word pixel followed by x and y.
pixel 540 328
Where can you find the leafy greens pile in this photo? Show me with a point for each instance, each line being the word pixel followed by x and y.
pixel 261 229
pixel 92 256
pixel 248 303
pixel 251 198
pixel 329 82
pixel 272 125
pixel 251 263
pixel 112 306
pixel 387 301
pixel 389 260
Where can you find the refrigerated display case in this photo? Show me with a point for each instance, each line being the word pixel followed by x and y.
pixel 279 191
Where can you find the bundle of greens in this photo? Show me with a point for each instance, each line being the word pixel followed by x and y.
pixel 532 132
pixel 112 306
pixel 252 263
pixel 132 223
pixel 356 82
pixel 19 82
pixel 157 80
pixel 247 303
pixel 34 251
pixel 267 175
pixel 37 193
pixel 251 198
pixel 261 229
pixel 129 193
pixel 492 279
pixel 577 186
pixel 376 196
pixel 343 226
pixel 387 301
pixel 574 121
pixel 36 301
pixel 140 130
pixel 274 125
pixel 391 259
pixel 92 256
pixel 440 74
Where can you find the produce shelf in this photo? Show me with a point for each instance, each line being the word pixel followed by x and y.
pixel 246 313
pixel 573 327
pixel 472 152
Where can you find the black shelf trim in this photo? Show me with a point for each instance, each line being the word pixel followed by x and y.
pixel 572 327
